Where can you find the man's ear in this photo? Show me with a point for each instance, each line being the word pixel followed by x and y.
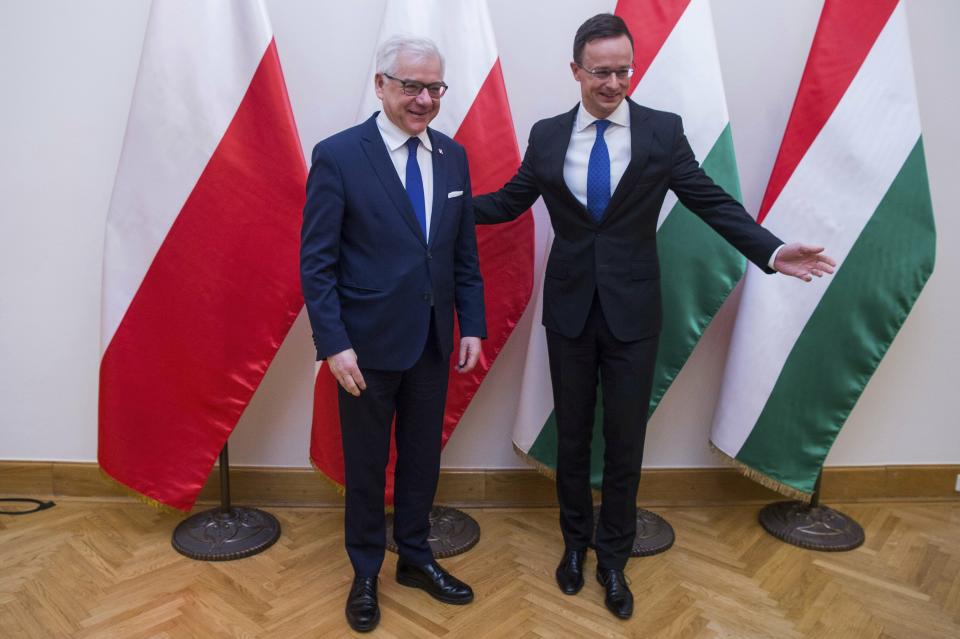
pixel 378 84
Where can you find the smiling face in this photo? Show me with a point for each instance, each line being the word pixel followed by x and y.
pixel 602 97
pixel 412 113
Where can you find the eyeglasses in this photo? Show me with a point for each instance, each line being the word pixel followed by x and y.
pixel 603 73
pixel 413 88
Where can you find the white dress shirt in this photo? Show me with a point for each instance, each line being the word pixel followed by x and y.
pixel 396 141
pixel 617 137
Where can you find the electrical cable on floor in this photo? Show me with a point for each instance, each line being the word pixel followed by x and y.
pixel 41 505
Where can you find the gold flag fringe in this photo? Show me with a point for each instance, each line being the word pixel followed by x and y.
pixel 750 473
pixel 542 468
pixel 340 488
pixel 762 478
pixel 143 499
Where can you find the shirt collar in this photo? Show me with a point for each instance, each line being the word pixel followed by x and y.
pixel 620 116
pixel 395 137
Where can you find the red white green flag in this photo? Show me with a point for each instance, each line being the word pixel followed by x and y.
pixel 850 176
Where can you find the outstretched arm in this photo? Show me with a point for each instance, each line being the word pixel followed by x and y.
pixel 515 197
pixel 717 208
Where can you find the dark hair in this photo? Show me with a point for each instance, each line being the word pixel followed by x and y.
pixel 602 25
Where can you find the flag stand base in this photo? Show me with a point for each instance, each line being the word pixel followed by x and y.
pixel 452 532
pixel 227 532
pixel 215 535
pixel 811 526
pixel 654 535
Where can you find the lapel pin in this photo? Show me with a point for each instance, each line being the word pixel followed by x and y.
pixel 440 151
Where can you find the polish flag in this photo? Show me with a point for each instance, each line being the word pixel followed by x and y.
pixel 475 113
pixel 200 276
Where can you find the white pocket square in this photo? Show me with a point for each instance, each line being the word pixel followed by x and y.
pixel 454 194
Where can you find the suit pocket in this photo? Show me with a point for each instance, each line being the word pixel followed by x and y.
pixel 360 287
pixel 645 270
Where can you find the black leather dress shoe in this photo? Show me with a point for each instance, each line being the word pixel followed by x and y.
pixel 570 571
pixel 436 581
pixel 619 599
pixel 363 611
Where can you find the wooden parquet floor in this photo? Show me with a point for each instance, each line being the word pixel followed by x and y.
pixel 98 569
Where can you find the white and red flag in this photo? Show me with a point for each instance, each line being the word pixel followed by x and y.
pixel 475 113
pixel 850 176
pixel 200 277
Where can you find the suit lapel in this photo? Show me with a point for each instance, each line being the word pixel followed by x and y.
pixel 439 183
pixel 641 137
pixel 556 147
pixel 379 157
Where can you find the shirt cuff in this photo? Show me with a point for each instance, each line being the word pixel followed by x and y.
pixel 773 258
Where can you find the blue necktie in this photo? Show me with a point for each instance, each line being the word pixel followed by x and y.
pixel 598 174
pixel 415 185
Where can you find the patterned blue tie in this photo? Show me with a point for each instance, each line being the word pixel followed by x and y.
pixel 415 185
pixel 598 174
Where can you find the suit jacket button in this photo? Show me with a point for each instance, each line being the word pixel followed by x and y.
pixel 429 256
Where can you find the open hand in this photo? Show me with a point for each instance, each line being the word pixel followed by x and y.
pixel 803 261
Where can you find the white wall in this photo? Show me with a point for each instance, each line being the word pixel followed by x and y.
pixel 67 71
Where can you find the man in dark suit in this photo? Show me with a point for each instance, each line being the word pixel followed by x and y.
pixel 388 254
pixel 603 170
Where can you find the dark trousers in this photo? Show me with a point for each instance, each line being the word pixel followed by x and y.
pixel 416 397
pixel 625 372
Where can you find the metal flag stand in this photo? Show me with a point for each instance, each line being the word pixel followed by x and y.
pixel 452 532
pixel 654 534
pixel 812 525
pixel 227 532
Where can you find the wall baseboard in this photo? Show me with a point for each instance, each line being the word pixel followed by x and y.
pixel 493 488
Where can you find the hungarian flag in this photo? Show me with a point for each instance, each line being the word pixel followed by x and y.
pixel 676 69
pixel 475 112
pixel 850 176
pixel 200 276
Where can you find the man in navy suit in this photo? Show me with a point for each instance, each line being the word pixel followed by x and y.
pixel 603 169
pixel 388 253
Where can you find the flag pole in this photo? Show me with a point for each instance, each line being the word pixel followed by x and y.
pixel 225 532
pixel 224 481
pixel 812 526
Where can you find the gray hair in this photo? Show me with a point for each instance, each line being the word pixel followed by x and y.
pixel 419 48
